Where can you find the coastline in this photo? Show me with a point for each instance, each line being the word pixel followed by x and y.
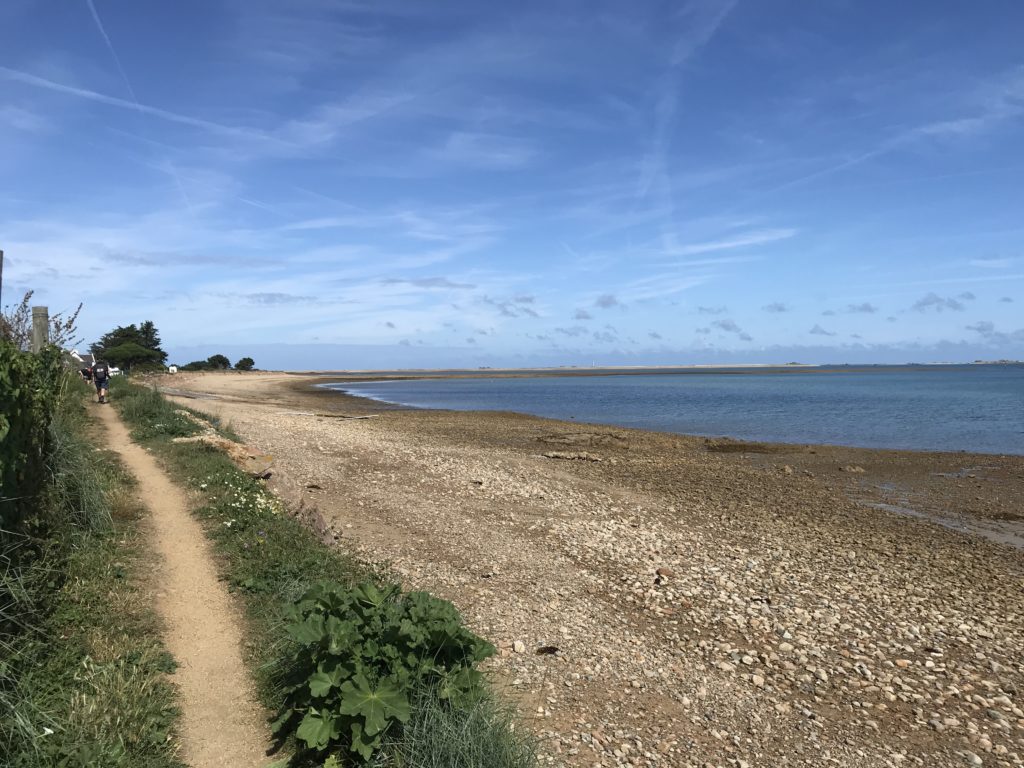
pixel 905 482
pixel 678 576
pixel 355 376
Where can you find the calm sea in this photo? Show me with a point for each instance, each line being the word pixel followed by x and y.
pixel 977 408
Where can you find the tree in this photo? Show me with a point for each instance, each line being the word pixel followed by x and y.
pixel 245 364
pixel 129 354
pixel 218 362
pixel 145 337
pixel 150 336
pixel 212 363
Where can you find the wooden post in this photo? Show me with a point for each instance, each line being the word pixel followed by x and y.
pixel 40 328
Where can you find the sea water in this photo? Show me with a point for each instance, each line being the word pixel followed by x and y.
pixel 976 408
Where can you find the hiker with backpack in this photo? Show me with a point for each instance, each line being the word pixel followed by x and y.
pixel 101 377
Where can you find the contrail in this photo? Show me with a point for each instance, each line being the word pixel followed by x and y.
pixel 102 98
pixel 110 47
pixel 135 99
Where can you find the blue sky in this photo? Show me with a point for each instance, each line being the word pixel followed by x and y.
pixel 333 183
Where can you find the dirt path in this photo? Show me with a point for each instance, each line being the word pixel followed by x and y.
pixel 222 726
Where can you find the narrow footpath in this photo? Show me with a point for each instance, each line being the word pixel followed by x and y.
pixel 222 725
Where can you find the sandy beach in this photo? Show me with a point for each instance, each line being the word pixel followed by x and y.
pixel 663 600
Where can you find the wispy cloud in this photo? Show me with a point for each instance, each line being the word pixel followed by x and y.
pixel 15 75
pixel 24 119
pixel 932 301
pixel 486 151
pixel 993 263
pixel 996 102
pixel 730 326
pixel 695 23
pixel 658 286
pixel 988 331
pixel 864 308
pixel 759 237
pixel 606 301
pixel 515 307
pixel 428 282
pixel 327 122
pixel 817 330
pixel 276 298
pixel 582 314
pixel 775 307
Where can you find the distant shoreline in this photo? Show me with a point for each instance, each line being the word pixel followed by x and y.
pixel 632 370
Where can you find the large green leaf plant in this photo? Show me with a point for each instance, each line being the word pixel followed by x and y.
pixel 359 656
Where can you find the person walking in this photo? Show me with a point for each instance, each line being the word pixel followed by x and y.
pixel 101 378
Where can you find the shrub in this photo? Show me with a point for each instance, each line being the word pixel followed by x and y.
pixel 29 388
pixel 361 653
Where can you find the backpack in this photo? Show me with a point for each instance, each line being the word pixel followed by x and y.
pixel 100 371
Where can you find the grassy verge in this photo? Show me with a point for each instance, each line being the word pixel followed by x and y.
pixel 272 559
pixel 83 672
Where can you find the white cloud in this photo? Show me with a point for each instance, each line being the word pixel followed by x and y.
pixel 992 263
pixel 746 240
pixel 485 150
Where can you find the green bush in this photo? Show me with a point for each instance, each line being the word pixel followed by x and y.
pixel 29 388
pixel 361 653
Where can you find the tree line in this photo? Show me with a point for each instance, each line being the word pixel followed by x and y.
pixel 128 347
pixel 137 347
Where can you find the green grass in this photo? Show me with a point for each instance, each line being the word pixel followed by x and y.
pixel 83 671
pixel 271 559
pixel 471 736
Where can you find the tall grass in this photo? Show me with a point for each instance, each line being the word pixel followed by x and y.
pixel 149 414
pixel 477 735
pixel 271 559
pixel 81 664
pixel 77 488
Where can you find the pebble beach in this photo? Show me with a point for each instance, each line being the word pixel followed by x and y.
pixel 662 600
